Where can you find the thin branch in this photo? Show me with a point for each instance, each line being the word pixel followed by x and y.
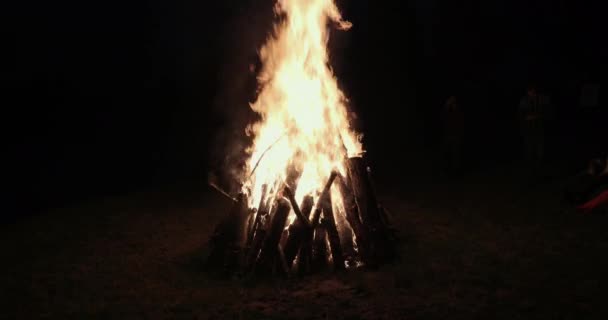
pixel 263 154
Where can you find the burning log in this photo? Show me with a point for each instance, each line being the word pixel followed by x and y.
pixel 298 229
pixel 268 254
pixel 306 250
pixel 379 243
pixel 332 233
pixel 254 250
pixel 262 209
pixel 322 198
pixel 302 218
pixel 282 262
pixel 348 243
pixel 257 233
pixel 352 216
pixel 319 248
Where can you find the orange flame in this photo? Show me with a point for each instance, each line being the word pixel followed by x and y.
pixel 304 115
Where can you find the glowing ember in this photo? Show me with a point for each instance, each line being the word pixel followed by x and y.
pixel 304 124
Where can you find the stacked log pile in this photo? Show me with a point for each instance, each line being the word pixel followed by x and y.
pixel 260 240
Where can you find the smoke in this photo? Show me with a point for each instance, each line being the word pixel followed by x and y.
pixel 241 38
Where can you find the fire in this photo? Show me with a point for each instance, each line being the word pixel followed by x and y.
pixel 304 124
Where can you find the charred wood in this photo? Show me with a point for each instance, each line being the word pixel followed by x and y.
pixel 352 216
pixel 320 255
pixel 380 246
pixel 229 237
pixel 332 233
pixel 268 254
pixel 297 231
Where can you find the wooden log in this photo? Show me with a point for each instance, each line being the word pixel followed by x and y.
pixel 261 230
pixel 268 254
pixel 218 247
pixel 282 262
pixel 262 209
pixel 352 216
pixel 254 250
pixel 306 251
pixel 250 226
pixel 332 233
pixel 228 240
pixel 348 244
pixel 294 205
pixel 320 255
pixel 367 203
pixel 294 172
pixel 363 192
pixel 297 230
pixel 314 221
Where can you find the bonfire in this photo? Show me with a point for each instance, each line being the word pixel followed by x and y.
pixel 307 200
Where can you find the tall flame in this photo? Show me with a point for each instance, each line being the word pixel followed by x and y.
pixel 304 121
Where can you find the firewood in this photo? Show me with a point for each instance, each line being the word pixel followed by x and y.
pixel 314 221
pixel 283 267
pixel 262 210
pixel 379 243
pixel 268 254
pixel 304 261
pixel 319 248
pixel 347 241
pixel 297 230
pixel 294 205
pixel 229 238
pixel 352 216
pixel 261 230
pixel 254 249
pixel 332 233
pixel 306 249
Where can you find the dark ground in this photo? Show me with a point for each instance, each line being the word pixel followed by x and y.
pixel 487 245
pixel 104 100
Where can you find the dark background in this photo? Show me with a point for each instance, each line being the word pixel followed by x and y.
pixel 113 97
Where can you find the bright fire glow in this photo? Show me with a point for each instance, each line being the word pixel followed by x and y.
pixel 304 115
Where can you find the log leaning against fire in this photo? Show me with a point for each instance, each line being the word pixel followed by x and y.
pixel 269 254
pixel 258 234
pixel 261 211
pixel 332 233
pixel 319 260
pixel 352 217
pixel 381 247
pixel 298 228
pixel 229 238
pixel 305 253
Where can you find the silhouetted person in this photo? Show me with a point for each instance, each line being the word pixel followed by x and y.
pixel 533 113
pixel 453 132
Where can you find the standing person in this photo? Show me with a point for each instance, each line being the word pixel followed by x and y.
pixel 453 132
pixel 533 109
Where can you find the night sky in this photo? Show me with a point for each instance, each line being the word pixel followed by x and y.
pixel 112 97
